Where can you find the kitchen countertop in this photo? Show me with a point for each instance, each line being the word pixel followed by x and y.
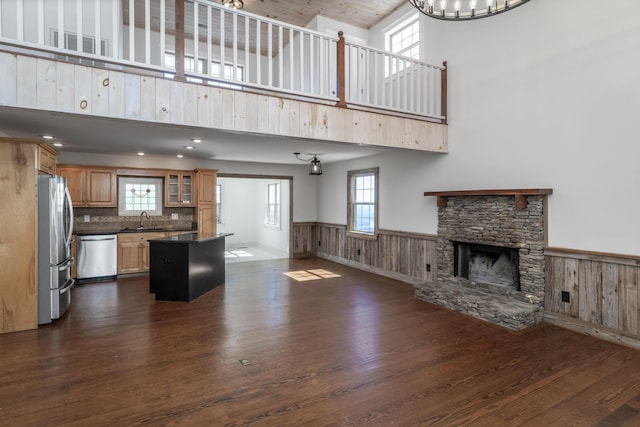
pixel 192 238
pixel 131 230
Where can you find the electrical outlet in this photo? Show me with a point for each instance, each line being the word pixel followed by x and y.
pixel 87 218
pixel 565 296
pixel 174 216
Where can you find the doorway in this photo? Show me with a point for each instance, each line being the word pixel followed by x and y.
pixel 257 210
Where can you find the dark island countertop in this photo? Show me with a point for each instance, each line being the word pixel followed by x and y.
pixel 195 237
pixel 132 230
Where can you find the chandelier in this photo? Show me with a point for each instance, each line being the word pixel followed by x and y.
pixel 235 4
pixel 463 10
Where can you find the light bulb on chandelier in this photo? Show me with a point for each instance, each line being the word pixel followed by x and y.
pixel 464 10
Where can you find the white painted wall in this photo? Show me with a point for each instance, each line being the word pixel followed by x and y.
pixel 331 27
pixel 239 204
pixel 271 236
pixel 546 95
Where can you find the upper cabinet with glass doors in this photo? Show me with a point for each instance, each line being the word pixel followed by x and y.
pixel 179 188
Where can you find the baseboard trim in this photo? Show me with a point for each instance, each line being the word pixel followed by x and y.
pixel 600 332
pixel 370 269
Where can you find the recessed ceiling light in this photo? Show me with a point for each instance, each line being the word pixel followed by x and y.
pixel 179 156
pixel 47 136
pixel 188 147
pixel 196 140
pixel 140 153
pixel 58 144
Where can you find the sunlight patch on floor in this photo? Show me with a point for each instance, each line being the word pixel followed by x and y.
pixel 306 275
pixel 325 274
pixel 236 254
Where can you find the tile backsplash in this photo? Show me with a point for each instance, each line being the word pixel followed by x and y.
pixel 107 219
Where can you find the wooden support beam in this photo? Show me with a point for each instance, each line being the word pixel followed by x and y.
pixel 179 46
pixel 341 72
pixel 443 93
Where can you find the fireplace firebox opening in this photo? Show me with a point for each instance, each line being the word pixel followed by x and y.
pixel 493 265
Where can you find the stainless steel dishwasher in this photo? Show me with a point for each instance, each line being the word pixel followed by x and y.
pixel 97 256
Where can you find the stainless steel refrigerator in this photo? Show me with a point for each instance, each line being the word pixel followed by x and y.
pixel 55 227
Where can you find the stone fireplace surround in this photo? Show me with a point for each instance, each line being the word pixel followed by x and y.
pixel 506 218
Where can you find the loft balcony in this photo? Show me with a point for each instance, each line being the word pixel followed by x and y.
pixel 198 63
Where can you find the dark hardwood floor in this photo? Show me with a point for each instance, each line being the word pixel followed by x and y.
pixel 351 350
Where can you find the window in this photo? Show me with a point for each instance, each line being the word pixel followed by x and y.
pixel 219 204
pixel 362 201
pixel 403 39
pixel 136 195
pixel 272 216
pixel 88 43
pixel 228 71
pixel 214 70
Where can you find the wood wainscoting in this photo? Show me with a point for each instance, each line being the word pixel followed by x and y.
pixel 303 238
pixel 603 294
pixel 409 257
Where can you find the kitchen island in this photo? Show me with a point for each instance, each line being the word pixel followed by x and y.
pixel 185 266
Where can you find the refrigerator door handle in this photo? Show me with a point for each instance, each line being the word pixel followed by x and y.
pixel 65 265
pixel 70 204
pixel 97 240
pixel 67 286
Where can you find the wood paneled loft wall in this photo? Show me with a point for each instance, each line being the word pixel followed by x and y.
pixel 46 84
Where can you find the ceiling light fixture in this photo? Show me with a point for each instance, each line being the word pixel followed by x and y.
pixel 459 10
pixel 196 140
pixel 188 147
pixel 179 156
pixel 236 4
pixel 58 144
pixel 140 153
pixel 47 137
pixel 315 167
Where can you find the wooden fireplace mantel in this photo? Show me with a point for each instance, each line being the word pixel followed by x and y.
pixel 520 195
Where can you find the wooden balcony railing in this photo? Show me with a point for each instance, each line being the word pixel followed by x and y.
pixel 204 42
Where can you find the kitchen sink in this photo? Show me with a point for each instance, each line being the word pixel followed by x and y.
pixel 140 229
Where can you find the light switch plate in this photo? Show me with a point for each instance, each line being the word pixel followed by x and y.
pixel 174 216
pixel 87 218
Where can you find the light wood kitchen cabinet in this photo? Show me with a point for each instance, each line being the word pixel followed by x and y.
pixel 18 235
pixel 179 189
pixel 91 186
pixel 133 251
pixel 47 159
pixel 206 180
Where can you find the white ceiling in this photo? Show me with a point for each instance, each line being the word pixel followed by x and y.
pixel 90 134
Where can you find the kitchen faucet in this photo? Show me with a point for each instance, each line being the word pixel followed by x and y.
pixel 142 215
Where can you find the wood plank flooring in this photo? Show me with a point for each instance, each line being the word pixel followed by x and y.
pixel 351 350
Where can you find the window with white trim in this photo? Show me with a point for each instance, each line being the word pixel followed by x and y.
pixel 403 39
pixel 362 201
pixel 88 43
pixel 136 195
pixel 213 70
pixel 272 216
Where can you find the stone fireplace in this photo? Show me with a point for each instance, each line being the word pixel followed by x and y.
pixel 490 255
